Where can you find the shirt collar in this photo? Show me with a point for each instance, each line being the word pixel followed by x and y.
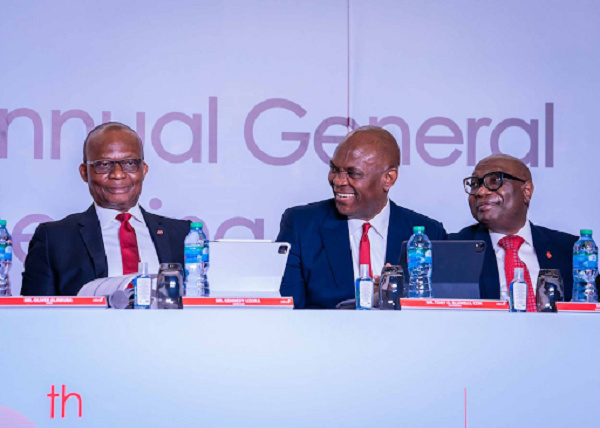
pixel 524 233
pixel 107 216
pixel 379 223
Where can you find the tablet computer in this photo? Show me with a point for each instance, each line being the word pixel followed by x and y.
pixel 456 268
pixel 246 268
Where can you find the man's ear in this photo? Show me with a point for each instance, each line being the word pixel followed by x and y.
pixel 528 191
pixel 389 179
pixel 83 172
pixel 144 170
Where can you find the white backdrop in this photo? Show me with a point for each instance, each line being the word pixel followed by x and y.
pixel 235 101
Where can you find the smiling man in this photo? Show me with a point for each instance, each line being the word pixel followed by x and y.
pixel 500 192
pixel 114 234
pixel 359 225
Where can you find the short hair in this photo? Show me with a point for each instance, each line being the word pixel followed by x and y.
pixel 109 126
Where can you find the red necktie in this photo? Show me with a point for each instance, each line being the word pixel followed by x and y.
pixel 364 251
pixel 129 248
pixel 511 245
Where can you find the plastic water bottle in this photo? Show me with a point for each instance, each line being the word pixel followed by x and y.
pixel 142 288
pixel 364 289
pixel 5 259
pixel 420 264
pixel 585 268
pixel 518 292
pixel 196 253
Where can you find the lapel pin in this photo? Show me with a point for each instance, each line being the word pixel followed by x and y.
pixel 549 255
pixel 160 232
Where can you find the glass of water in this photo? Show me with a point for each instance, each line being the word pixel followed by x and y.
pixel 169 288
pixel 550 289
pixel 391 287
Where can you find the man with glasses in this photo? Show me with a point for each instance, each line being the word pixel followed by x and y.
pixel 359 225
pixel 114 234
pixel 500 191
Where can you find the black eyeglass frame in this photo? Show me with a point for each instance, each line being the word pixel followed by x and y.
pixel 483 180
pixel 126 169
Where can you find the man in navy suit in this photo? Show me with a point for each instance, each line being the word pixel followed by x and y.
pixel 330 238
pixel 500 192
pixel 114 233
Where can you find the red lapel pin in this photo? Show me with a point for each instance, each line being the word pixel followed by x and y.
pixel 160 232
pixel 549 255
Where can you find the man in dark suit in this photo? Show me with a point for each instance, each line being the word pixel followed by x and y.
pixel 114 234
pixel 500 192
pixel 360 225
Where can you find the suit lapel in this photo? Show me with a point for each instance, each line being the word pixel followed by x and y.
pixel 543 247
pixel 89 228
pixel 159 236
pixel 336 241
pixel 398 229
pixel 489 282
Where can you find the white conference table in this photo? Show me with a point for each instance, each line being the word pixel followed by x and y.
pixel 283 368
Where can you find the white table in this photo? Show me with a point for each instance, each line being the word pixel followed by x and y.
pixel 282 368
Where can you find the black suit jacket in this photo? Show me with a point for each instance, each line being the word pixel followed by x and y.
pixel 554 250
pixel 319 272
pixel 64 255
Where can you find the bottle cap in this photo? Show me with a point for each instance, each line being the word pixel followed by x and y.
pixel 519 274
pixel 419 229
pixel 143 268
pixel 196 224
pixel 364 271
pixel 586 231
pixel 2 222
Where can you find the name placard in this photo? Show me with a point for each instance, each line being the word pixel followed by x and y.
pixel 234 302
pixel 479 305
pixel 578 307
pixel 53 302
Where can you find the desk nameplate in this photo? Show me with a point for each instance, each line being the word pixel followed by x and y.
pixel 578 307
pixel 53 301
pixel 479 305
pixel 230 302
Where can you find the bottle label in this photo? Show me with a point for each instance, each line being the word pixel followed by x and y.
pixel 366 294
pixel 418 256
pixel 5 252
pixel 205 254
pixel 192 254
pixel 583 261
pixel 143 291
pixel 519 296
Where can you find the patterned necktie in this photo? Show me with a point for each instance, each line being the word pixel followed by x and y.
pixel 511 245
pixel 129 248
pixel 364 251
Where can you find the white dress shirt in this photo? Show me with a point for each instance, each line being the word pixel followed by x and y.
pixel 526 254
pixel 377 240
pixel 112 246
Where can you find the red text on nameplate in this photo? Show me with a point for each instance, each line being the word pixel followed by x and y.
pixel 52 301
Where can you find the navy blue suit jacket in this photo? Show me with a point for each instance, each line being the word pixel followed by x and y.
pixel 64 255
pixel 319 272
pixel 554 250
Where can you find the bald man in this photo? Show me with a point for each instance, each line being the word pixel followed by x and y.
pixel 500 192
pixel 360 224
pixel 114 234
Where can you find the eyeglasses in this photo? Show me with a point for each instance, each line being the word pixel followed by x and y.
pixel 492 181
pixel 106 166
